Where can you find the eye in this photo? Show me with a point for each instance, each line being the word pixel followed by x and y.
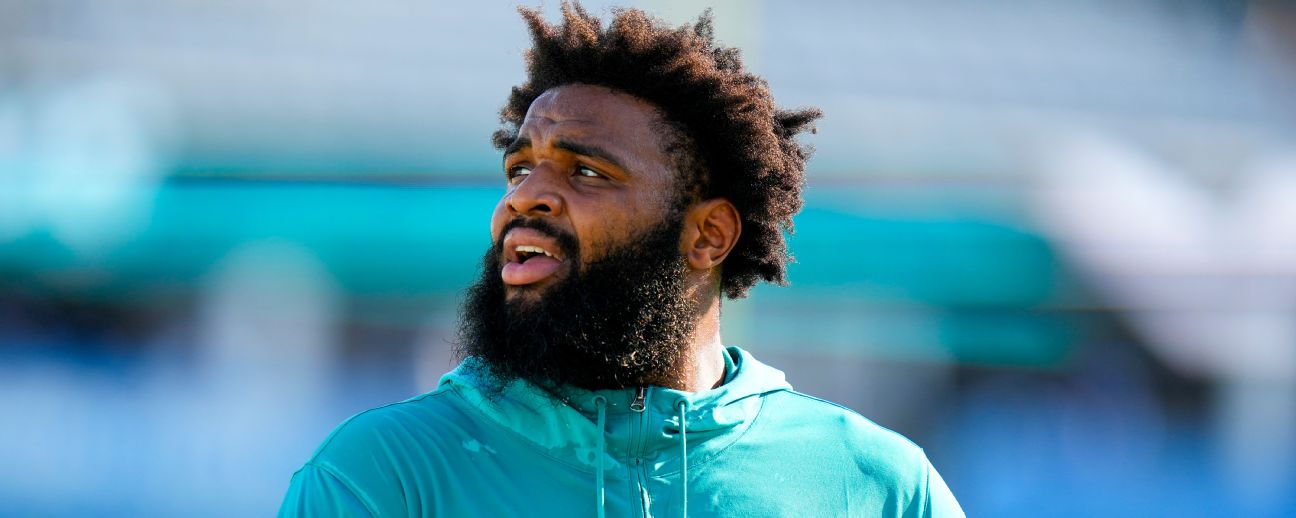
pixel 587 172
pixel 515 174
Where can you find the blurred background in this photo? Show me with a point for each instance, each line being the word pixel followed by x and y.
pixel 1054 243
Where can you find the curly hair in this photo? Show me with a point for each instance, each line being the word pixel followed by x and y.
pixel 732 142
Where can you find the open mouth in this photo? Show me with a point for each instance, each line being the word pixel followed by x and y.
pixel 525 252
pixel 530 257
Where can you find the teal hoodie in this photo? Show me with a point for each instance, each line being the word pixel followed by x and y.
pixel 751 447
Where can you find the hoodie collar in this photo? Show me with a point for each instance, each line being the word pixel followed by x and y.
pixel 563 425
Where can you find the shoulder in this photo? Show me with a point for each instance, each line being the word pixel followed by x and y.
pixel 882 461
pixel 392 428
pixel 887 462
pixel 376 452
pixel 831 423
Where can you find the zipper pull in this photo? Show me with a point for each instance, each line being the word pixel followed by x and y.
pixel 641 394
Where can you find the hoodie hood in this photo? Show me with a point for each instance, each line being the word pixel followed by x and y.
pixel 564 425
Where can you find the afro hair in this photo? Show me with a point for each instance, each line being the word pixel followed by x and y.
pixel 733 142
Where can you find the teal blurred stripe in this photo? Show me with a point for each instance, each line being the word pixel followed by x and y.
pixel 950 261
pixel 374 240
pixel 382 237
pixel 412 238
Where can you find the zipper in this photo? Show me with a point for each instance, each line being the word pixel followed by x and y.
pixel 640 400
pixel 638 405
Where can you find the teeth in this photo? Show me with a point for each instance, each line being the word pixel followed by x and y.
pixel 533 249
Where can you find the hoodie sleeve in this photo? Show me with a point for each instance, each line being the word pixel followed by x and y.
pixel 315 491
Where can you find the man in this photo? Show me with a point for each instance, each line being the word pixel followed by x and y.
pixel 648 174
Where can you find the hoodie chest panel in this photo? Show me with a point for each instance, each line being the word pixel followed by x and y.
pixel 494 474
pixel 777 489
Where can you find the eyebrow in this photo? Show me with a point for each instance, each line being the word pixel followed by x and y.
pixel 524 142
pixel 517 145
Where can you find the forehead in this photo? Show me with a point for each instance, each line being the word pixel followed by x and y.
pixel 615 120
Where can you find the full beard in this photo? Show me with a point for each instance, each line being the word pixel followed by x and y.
pixel 623 320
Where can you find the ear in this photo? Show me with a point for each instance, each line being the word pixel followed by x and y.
pixel 711 228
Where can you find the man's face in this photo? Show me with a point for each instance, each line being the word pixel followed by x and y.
pixel 589 162
pixel 586 282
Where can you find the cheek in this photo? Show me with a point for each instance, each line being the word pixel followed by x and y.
pixel 499 218
pixel 608 229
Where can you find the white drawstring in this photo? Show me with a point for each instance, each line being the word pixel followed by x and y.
pixel 601 403
pixel 683 409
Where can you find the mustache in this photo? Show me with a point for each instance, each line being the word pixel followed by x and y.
pixel 567 242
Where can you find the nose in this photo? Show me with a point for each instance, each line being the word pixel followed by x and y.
pixel 539 194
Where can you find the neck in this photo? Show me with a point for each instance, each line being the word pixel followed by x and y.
pixel 702 366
